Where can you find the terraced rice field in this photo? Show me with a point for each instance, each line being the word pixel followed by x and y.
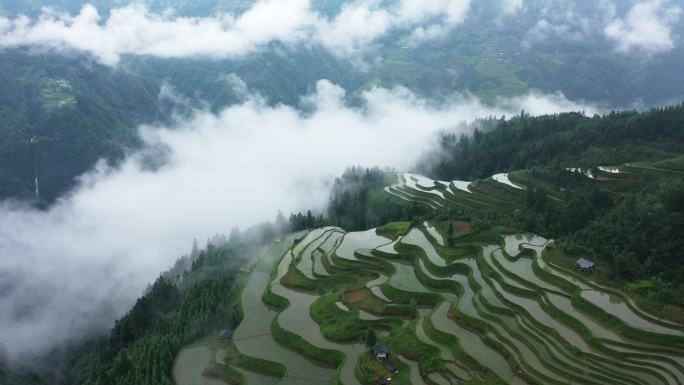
pixel 501 312
pixel 487 309
pixel 496 191
pixel 190 364
pixel 503 178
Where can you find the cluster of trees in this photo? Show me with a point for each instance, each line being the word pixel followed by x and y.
pixel 582 201
pixel 559 141
pixel 143 344
pixel 357 202
pixel 643 235
pixel 300 221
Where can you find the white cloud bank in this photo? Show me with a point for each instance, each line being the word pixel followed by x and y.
pixel 73 269
pixel 561 20
pixel 135 30
pixel 511 6
pixel 646 28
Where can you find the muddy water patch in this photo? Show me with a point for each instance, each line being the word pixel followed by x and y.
pixel 252 337
pixel 306 259
pixel 190 364
pixel 378 281
pixel 434 233
pixel 297 319
pixel 405 278
pixel 359 240
pixel 253 378
pixel 318 266
pixel 377 291
pixel 473 345
pixel 416 237
pixel 389 247
pixel 364 315
pixel 415 377
pixel 533 308
pixel 513 242
pixel 444 350
pixel 521 268
pixel 614 305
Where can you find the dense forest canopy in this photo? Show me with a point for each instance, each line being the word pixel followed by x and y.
pixel 564 140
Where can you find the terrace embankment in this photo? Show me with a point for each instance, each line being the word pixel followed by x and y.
pixel 486 308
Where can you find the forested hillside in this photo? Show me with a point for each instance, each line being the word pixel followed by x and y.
pixel 59 114
pixel 80 110
pixel 176 311
pixel 634 224
pixel 564 140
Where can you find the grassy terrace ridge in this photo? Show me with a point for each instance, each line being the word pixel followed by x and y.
pixel 503 312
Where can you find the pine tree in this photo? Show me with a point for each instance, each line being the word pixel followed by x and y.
pixel 371 338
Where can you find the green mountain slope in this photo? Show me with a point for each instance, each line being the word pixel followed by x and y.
pixel 58 115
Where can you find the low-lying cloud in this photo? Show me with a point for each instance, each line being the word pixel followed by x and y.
pixel 640 27
pixel 134 30
pixel 351 33
pixel 647 27
pixel 71 270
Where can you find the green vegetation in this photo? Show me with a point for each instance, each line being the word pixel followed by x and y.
pixel 143 344
pixel 57 94
pixel 563 140
pixel 336 324
pixel 61 114
pixel 226 374
pixel 357 201
pixel 298 344
pixel 408 345
pixel 255 364
pixel 505 317
pixel 508 317
pixel 394 229
pixel 629 221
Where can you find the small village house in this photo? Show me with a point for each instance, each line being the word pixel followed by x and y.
pixel 585 266
pixel 225 335
pixel 381 352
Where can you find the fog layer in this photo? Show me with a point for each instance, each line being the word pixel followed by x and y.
pixel 71 270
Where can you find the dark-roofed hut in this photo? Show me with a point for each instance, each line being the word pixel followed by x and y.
pixel 225 335
pixel 585 266
pixel 381 352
